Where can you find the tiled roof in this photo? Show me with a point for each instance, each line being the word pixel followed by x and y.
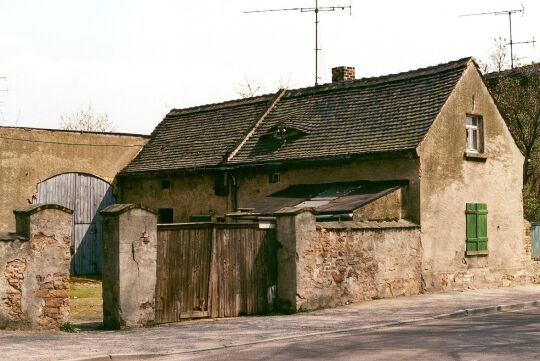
pixel 198 137
pixel 370 115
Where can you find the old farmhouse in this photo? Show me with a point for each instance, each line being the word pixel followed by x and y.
pixel 306 198
pixel 425 148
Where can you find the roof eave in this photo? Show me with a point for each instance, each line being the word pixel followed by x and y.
pixel 395 154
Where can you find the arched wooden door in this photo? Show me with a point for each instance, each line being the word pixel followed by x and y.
pixel 86 195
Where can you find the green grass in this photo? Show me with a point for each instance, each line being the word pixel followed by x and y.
pixel 85 299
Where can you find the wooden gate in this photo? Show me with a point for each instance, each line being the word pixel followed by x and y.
pixel 214 270
pixel 86 195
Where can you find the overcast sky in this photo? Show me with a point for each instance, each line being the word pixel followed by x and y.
pixel 135 60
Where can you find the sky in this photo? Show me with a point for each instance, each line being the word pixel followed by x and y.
pixel 135 60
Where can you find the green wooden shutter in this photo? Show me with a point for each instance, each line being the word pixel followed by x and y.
pixel 476 214
pixel 481 226
pixel 472 238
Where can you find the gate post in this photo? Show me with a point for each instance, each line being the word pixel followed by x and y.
pixel 129 237
pixel 294 229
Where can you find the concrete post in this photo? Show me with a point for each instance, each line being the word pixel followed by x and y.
pixel 294 229
pixel 129 265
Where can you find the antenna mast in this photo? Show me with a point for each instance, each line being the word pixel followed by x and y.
pixel 315 10
pixel 509 13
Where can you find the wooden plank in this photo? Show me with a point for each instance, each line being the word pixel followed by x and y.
pixel 213 295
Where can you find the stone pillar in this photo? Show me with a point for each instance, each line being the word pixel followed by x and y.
pixel 34 268
pixel 294 229
pixel 129 265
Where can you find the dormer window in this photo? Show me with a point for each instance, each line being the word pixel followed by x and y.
pixel 475 141
pixel 283 133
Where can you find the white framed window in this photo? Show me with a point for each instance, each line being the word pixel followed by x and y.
pixel 475 141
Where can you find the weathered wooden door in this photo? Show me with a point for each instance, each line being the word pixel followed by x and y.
pixel 214 270
pixel 183 272
pixel 86 195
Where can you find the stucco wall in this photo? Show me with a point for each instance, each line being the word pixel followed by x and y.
pixel 34 271
pixel 129 264
pixel 189 194
pixel 254 184
pixel 29 156
pixel 448 182
pixel 194 193
pixel 388 207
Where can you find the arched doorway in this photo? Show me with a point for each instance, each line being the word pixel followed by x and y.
pixel 86 195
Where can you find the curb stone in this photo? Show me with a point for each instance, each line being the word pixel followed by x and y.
pixel 452 315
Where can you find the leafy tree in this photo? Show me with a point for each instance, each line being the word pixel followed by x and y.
pixel 517 94
pixel 87 120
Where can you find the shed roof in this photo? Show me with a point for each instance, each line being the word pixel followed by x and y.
pixel 325 198
pixel 365 116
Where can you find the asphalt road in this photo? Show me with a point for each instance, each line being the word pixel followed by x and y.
pixel 500 336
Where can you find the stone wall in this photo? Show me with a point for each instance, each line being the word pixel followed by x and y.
pixel 351 262
pixel 532 266
pixel 329 264
pixel 34 269
pixel 29 156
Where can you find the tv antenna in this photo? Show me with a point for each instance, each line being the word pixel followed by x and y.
pixel 512 42
pixel 317 9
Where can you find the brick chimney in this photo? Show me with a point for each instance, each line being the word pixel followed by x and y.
pixel 342 73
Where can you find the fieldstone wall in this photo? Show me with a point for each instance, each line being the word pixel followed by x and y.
pixel 34 269
pixel 329 264
pixel 351 261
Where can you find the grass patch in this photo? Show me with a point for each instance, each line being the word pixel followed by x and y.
pixel 69 327
pixel 85 300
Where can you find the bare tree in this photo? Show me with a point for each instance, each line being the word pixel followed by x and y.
pixel 249 89
pixel 87 120
pixel 283 84
pixel 499 59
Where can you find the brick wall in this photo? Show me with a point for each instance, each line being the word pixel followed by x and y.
pixel 34 269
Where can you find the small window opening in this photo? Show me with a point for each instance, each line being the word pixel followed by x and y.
pixel 274 178
pixel 165 184
pixel 165 215
pixel 473 126
pixel 200 218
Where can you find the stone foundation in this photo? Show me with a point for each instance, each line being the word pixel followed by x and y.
pixel 34 269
